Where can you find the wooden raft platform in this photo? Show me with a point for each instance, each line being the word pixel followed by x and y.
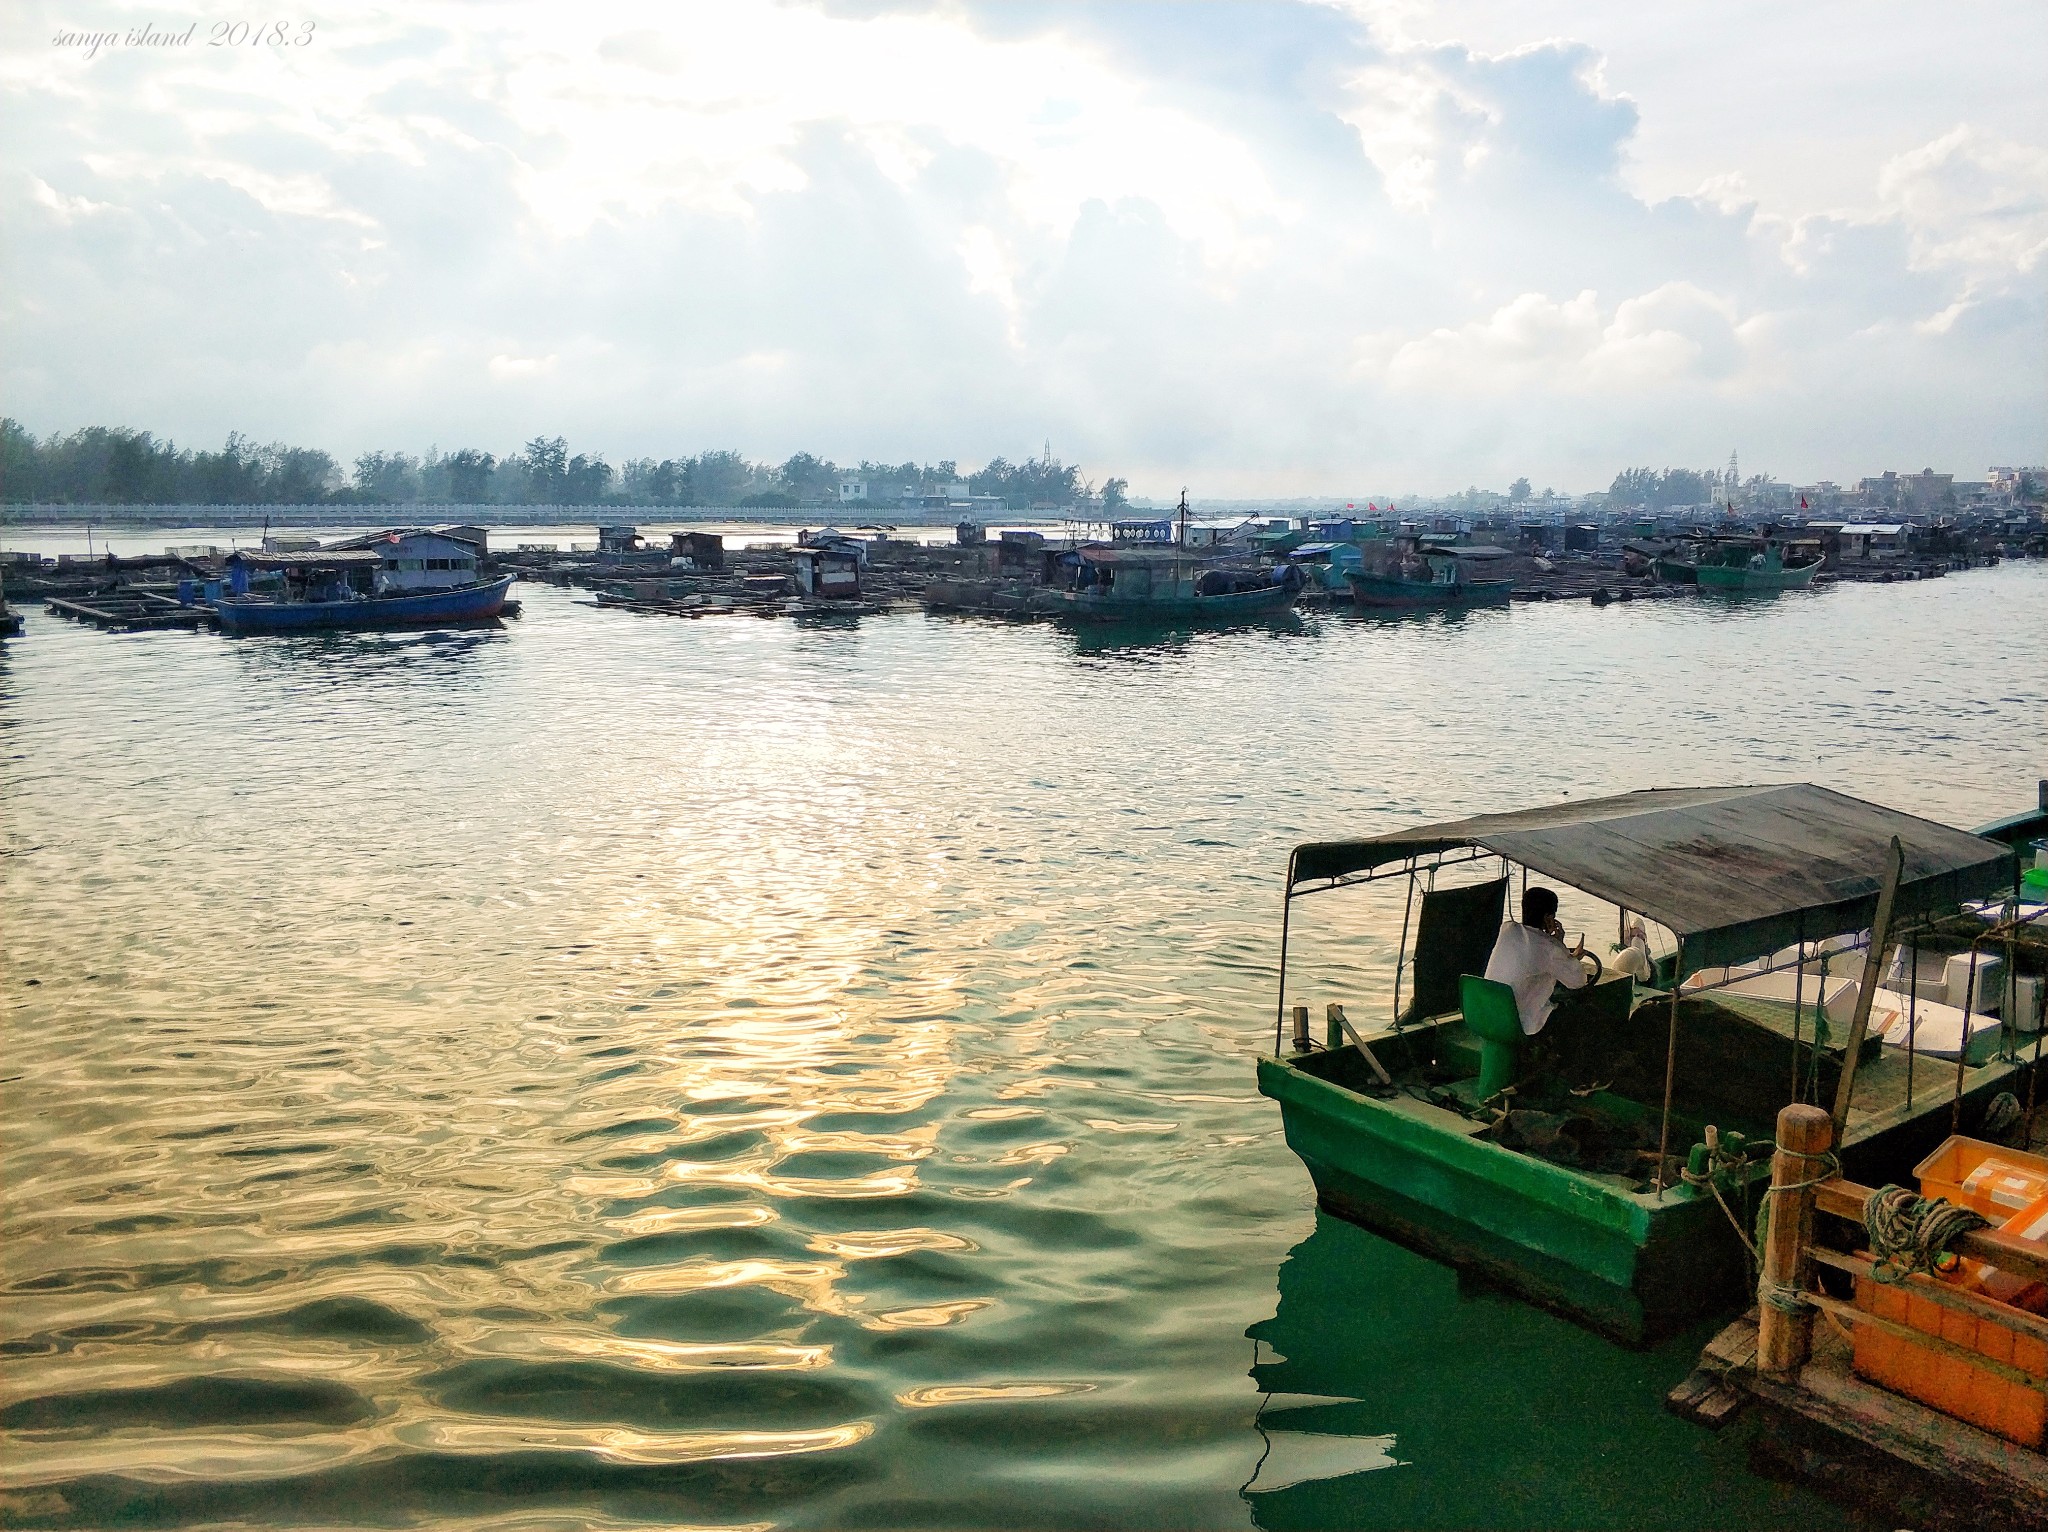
pixel 128 610
pixel 1865 1443
pixel 1852 1437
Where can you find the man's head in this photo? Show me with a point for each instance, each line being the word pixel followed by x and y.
pixel 1539 907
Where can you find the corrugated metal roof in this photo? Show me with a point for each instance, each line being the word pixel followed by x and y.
pixel 1735 872
pixel 324 558
pixel 389 535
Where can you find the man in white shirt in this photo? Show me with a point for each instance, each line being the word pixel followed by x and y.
pixel 1530 957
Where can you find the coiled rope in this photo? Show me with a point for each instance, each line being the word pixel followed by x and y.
pixel 1909 1233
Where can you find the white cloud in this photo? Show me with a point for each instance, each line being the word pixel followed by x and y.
pixel 1675 334
pixel 508 369
pixel 1973 200
pixel 1259 247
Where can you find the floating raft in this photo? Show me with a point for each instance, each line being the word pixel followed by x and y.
pixel 1853 1431
pixel 1863 1443
pixel 130 610
pixel 724 605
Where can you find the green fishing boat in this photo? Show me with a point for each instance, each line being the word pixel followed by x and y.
pixel 1610 1166
pixel 1756 564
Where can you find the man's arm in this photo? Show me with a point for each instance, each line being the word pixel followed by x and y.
pixel 1567 969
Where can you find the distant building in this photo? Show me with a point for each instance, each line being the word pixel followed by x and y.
pixel 1875 540
pixel 1823 497
pixel 1911 494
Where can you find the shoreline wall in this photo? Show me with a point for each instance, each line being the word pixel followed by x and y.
pixel 417 513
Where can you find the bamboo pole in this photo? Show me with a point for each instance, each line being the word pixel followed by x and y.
pixel 1873 975
pixel 1784 1323
pixel 1670 1076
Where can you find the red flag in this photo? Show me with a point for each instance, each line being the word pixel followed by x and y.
pixel 1370 506
pixel 1802 502
pixel 1349 506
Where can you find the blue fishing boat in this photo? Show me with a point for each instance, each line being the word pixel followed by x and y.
pixel 339 588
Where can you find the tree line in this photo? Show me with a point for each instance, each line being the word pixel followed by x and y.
pixel 1653 491
pixel 104 465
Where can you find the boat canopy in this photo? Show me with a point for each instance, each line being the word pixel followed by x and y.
pixel 1483 552
pixel 1131 557
pixel 324 558
pixel 1734 872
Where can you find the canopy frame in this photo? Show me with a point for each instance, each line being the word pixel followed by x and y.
pixel 1939 891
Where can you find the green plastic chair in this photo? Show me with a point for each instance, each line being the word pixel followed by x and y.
pixel 1491 1013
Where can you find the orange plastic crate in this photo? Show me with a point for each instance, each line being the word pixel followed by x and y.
pixel 1948 1383
pixel 1991 1178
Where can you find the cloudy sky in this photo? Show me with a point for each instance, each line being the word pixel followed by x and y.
pixel 1256 248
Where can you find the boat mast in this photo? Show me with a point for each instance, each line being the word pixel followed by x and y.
pixel 1180 540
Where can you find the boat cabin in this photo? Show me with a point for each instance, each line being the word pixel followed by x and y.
pixel 330 574
pixel 1609 1164
pixel 1323 564
pixel 1875 540
pixel 417 559
pixel 829 572
pixel 1136 573
pixel 703 550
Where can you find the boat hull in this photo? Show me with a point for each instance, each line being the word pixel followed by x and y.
pixel 1230 606
pixel 1715 577
pixel 469 603
pixel 1372 590
pixel 1631 1267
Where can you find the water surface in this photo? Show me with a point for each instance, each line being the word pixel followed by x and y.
pixel 620 1071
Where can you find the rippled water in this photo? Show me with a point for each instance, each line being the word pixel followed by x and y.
pixel 618 1071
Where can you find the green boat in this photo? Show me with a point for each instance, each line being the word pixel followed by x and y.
pixel 1610 1167
pixel 1755 564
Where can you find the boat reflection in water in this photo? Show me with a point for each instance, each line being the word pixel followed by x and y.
pixel 1399 1394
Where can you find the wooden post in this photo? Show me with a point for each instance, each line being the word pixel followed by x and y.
pixel 1873 975
pixel 1670 1076
pixel 1300 1014
pixel 1784 1322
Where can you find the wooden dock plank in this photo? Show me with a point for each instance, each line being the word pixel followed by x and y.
pixel 1828 1392
pixel 1959 1460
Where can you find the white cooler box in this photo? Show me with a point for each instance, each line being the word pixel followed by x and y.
pixel 1990 989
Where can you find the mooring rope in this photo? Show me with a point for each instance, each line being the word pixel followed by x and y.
pixel 1711 1184
pixel 1909 1233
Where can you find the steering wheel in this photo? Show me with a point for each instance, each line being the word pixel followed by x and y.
pixel 1599 968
